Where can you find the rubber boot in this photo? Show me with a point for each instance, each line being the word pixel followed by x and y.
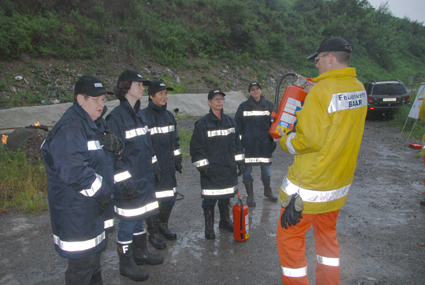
pixel 209 222
pixel 154 237
pixel 141 252
pixel 225 221
pixel 268 191
pixel 250 192
pixel 96 279
pixel 162 220
pixel 128 266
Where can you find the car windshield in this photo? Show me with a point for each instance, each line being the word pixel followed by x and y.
pixel 389 89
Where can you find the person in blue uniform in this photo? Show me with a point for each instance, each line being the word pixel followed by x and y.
pixel 165 141
pixel 79 153
pixel 216 152
pixel 135 175
pixel 253 118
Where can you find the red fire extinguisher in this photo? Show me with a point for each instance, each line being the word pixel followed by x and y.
pixel 240 221
pixel 285 116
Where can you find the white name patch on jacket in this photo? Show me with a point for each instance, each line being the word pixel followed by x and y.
pixel 349 100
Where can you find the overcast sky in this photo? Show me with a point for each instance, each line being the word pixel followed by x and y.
pixel 414 9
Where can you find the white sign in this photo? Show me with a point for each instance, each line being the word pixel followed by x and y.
pixel 414 111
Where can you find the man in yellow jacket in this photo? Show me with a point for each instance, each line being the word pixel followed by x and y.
pixel 325 146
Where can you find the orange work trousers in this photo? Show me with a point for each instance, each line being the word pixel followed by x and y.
pixel 291 249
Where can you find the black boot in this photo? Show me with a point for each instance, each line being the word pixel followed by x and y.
pixel 128 267
pixel 209 222
pixel 225 221
pixel 141 252
pixel 162 220
pixel 268 191
pixel 154 237
pixel 250 192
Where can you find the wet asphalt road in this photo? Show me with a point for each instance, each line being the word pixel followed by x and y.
pixel 379 229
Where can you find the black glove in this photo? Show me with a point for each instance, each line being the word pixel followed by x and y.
pixel 103 205
pixel 157 178
pixel 205 173
pixel 241 169
pixel 178 166
pixel 111 142
pixel 129 192
pixel 293 207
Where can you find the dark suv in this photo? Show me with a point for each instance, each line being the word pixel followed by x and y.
pixel 385 97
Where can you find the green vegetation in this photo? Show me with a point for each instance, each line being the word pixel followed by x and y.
pixel 238 32
pixel 185 136
pixel 22 184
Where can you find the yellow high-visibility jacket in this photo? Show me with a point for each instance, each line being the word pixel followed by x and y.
pixel 326 142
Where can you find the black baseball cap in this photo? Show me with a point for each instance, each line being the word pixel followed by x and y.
pixel 214 92
pixel 332 44
pixel 133 76
pixel 252 84
pixel 91 86
pixel 157 86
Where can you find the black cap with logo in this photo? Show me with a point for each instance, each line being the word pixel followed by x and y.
pixel 332 44
pixel 253 84
pixel 91 86
pixel 214 92
pixel 133 76
pixel 157 86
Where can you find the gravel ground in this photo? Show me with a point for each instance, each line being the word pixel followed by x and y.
pixel 379 229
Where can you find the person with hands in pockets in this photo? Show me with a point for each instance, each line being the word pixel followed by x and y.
pixel 325 145
pixel 216 152
pixel 79 156
pixel 136 172
pixel 165 141
pixel 253 119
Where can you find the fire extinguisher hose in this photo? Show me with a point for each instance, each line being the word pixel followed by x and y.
pixel 276 97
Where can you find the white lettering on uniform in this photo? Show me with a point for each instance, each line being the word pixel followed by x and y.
pixel 349 100
pixel 124 248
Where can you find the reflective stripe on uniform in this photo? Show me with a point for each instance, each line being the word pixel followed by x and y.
pixel 95 186
pixel 200 163
pixel 109 224
pixel 314 195
pixel 177 152
pixel 121 176
pixel 93 145
pixel 294 272
pixel 218 192
pixel 239 157
pixel 221 132
pixel 256 113
pixel 289 144
pixel 329 261
pixel 257 159
pixel 138 211
pixel 161 130
pixel 139 233
pixel 136 132
pixel 348 100
pixel 78 245
pixel 154 159
pixel 166 193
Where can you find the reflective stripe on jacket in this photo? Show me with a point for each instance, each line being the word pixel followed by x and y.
pixel 136 165
pixel 216 146
pixel 326 142
pixel 165 142
pixel 79 176
pixel 254 120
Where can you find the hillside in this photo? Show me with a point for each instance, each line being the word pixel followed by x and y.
pixel 193 45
